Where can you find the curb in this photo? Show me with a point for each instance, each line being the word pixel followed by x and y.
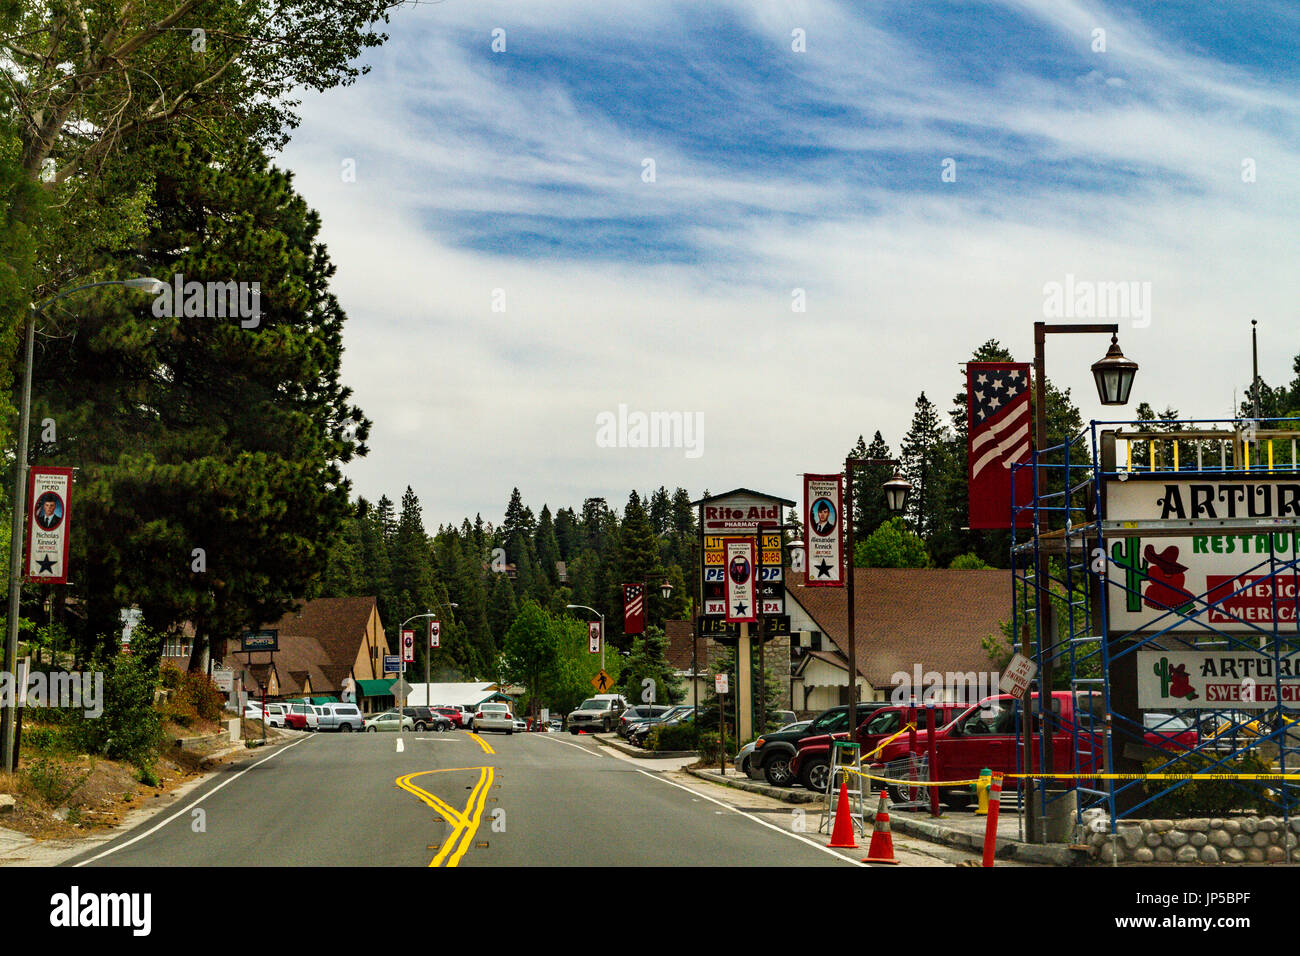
pixel 637 751
pixel 1051 855
pixel 749 786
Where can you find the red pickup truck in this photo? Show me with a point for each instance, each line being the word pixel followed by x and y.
pixel 811 763
pixel 987 735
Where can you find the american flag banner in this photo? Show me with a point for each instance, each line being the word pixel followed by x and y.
pixel 633 608
pixel 999 426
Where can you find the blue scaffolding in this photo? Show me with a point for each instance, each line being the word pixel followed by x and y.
pixel 1084 555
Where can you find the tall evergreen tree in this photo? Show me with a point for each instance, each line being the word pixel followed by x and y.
pixel 922 456
pixel 638 559
pixel 547 547
pixel 211 450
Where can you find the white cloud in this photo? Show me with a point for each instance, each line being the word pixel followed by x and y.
pixel 902 283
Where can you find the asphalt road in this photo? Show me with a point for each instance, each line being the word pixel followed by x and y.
pixel 444 800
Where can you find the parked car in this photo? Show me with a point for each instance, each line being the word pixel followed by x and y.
pixel 274 715
pixel 639 715
pixel 344 718
pixel 812 760
pixel 454 714
pixel 1168 732
pixel 742 759
pixel 466 716
pixel 521 725
pixel 253 710
pixel 388 721
pixel 597 713
pixel 774 750
pixel 301 717
pixel 987 735
pixel 494 716
pixel 426 719
pixel 640 732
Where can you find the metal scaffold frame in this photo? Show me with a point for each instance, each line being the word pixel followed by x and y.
pixel 1066 622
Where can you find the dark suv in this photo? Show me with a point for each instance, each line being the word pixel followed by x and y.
pixel 774 751
pixel 426 718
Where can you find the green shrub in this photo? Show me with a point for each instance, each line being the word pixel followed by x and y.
pixel 673 737
pixel 47 738
pixel 709 747
pixel 1210 798
pixel 193 697
pixel 52 780
pixel 170 676
pixel 130 728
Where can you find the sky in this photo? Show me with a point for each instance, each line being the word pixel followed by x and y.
pixel 784 221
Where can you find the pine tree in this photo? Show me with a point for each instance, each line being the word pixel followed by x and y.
pixel 203 433
pixel 502 608
pixel 547 547
pixel 870 506
pixel 638 559
pixel 648 662
pixel 567 536
pixel 922 457
pixel 411 559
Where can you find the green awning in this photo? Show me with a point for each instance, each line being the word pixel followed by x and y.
pixel 375 688
pixel 326 699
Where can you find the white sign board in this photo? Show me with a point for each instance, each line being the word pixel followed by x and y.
pixel 720 684
pixel 1215 680
pixel 224 678
pixel 1212 579
pixel 1018 675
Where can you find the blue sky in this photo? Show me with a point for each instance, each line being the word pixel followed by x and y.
pixel 516 178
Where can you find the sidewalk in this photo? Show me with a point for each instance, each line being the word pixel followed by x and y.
pixel 963 829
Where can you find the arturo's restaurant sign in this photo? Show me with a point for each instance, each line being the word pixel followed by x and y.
pixel 1209 577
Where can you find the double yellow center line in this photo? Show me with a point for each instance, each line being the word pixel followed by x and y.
pixel 464 823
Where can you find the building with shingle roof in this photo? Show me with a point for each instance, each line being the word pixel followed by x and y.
pixel 909 621
pixel 322 643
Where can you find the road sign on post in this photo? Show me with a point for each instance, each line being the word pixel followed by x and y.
pixel 1018 675
pixel 393 664
pixel 602 682
pixel 720 684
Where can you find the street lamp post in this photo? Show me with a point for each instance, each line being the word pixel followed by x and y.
pixel 1113 375
pixel 896 489
pixel 583 607
pixel 416 617
pixel 8 719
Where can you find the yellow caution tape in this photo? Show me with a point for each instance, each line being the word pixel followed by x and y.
pixel 1276 777
pixel 1152 776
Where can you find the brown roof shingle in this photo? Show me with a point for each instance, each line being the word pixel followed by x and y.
pixel 322 639
pixel 934 617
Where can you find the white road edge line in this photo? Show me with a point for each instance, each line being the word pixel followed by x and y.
pixel 184 810
pixel 749 816
pixel 568 743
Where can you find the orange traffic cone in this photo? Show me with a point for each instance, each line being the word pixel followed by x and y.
pixel 843 833
pixel 881 849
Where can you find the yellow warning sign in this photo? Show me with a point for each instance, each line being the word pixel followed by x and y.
pixel 602 682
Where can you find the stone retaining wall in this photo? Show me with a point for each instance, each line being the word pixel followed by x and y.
pixel 1215 840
